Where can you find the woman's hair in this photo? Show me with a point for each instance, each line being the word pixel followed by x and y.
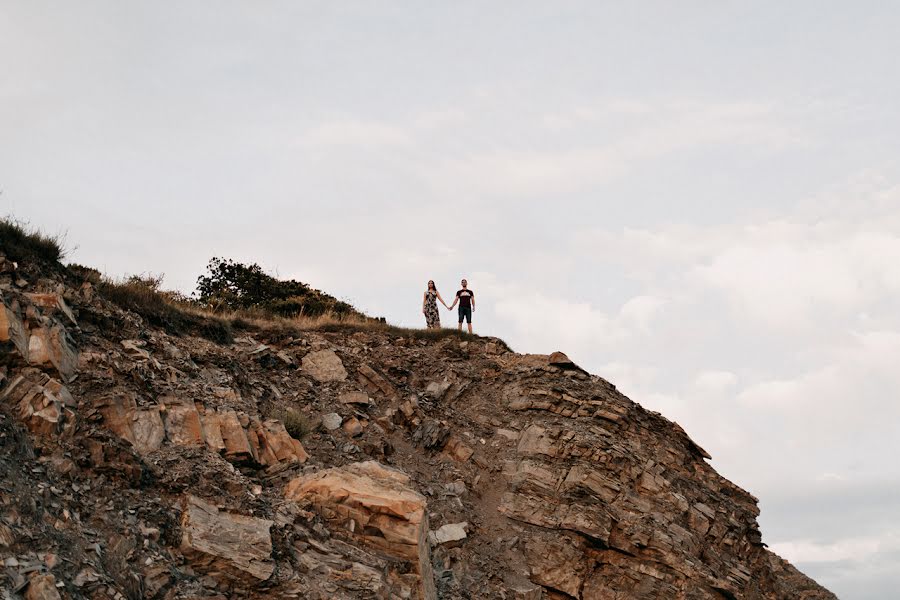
pixel 431 284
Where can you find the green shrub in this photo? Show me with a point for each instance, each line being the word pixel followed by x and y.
pixel 230 285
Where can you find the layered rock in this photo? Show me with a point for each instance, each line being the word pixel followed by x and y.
pixel 377 506
pixel 151 463
pixel 237 436
pixel 219 541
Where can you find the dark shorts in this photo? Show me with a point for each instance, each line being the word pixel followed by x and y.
pixel 465 313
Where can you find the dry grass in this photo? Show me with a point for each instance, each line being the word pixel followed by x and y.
pixel 165 310
pixel 19 242
pixel 179 316
pixel 296 424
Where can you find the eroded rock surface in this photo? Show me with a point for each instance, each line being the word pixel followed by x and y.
pixel 377 505
pixel 222 541
pixel 141 462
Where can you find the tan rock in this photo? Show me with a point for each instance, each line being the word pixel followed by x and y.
pixel 557 563
pixel 373 381
pixel 352 427
pixel 324 366
pixel 458 450
pixel 212 431
pixel 12 330
pixel 183 427
pixel 42 587
pixel 52 302
pixel 376 504
pixel 40 402
pixel 450 534
pixel 361 398
pixel 49 345
pixel 284 447
pixel 218 541
pixel 559 359
pixel 237 446
pixel 536 440
pixel 135 349
pixel 143 428
pixel 148 431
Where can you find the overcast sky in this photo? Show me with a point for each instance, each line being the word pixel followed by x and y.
pixel 699 201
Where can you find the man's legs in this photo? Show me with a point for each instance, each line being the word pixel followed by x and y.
pixel 467 315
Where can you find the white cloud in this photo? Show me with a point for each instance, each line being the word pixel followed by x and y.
pixel 715 382
pixel 859 549
pixel 355 133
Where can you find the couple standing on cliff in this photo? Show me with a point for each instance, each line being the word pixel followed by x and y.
pixel 465 297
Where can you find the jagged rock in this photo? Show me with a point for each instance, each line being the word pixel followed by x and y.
pixel 273 445
pixel 183 427
pixel 576 491
pixel 49 345
pixel 12 330
pixel 360 398
pixel 458 450
pixel 352 427
pixel 143 427
pixel 375 382
pixel 7 537
pixel 43 404
pixel 135 349
pixel 437 389
pixel 432 434
pixel 224 433
pixel 52 302
pixel 219 541
pixel 376 504
pixel 559 359
pixel 42 587
pixel 331 421
pixel 558 563
pixel 324 366
pixel 448 534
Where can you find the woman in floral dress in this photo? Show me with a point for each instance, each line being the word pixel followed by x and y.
pixel 429 306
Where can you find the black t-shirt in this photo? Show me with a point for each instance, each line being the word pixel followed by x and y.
pixel 465 298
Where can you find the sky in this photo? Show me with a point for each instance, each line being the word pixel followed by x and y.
pixel 699 201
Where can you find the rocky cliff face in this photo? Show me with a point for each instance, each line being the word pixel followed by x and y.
pixel 138 464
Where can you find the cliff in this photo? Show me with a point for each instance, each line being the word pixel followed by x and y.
pixel 373 463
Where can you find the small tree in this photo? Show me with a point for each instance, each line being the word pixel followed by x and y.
pixel 233 285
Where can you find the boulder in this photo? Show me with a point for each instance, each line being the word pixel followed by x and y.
pixel 49 345
pixel 43 404
pixel 377 506
pixel 217 541
pixel 324 366
pixel 183 427
pixel 12 330
pixel 557 563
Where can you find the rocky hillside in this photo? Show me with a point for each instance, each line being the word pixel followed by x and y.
pixel 137 463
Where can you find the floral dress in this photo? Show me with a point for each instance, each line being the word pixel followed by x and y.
pixel 432 317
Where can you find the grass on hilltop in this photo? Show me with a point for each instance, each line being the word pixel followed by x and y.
pixel 179 315
pixel 20 242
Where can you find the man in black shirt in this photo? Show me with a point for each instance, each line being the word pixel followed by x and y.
pixel 466 299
